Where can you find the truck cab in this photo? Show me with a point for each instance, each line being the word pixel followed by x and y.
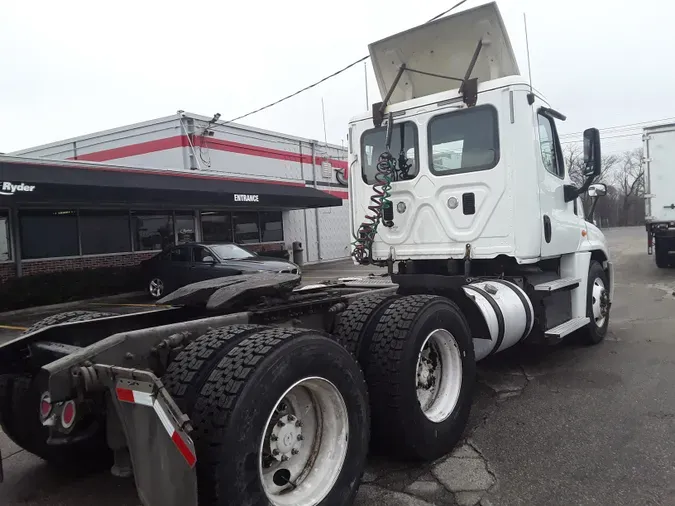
pixel 459 172
pixel 487 177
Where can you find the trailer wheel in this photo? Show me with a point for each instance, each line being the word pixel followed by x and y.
pixel 187 373
pixel 356 324
pixel 421 374
pixel 68 316
pixel 597 305
pixel 282 420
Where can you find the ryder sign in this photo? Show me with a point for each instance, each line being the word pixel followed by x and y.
pixel 7 188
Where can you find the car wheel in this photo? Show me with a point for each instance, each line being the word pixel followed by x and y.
pixel 156 288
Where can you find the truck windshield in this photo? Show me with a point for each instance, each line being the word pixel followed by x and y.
pixel 372 146
pixel 463 141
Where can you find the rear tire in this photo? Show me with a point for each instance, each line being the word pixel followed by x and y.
pixel 20 417
pixel 357 323
pixel 245 390
pixel 403 373
pixel 188 372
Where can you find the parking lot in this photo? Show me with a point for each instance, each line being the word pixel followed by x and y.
pixel 568 425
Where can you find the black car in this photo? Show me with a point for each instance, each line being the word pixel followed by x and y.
pixel 188 263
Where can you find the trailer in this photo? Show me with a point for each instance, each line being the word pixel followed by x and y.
pixel 255 390
pixel 659 155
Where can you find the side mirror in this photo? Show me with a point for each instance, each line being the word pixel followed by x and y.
pixel 209 260
pixel 597 190
pixel 592 156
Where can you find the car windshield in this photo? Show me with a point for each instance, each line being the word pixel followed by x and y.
pixel 231 252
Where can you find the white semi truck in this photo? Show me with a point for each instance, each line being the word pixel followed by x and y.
pixel 251 391
pixel 659 157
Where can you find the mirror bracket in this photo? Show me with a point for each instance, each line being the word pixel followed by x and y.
pixel 571 192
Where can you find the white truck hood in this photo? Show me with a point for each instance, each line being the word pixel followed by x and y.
pixel 444 47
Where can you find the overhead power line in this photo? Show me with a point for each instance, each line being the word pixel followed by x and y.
pixel 628 126
pixel 337 72
pixel 605 138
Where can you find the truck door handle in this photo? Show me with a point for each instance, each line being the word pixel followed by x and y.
pixel 547 228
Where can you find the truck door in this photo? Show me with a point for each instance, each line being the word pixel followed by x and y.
pixel 560 225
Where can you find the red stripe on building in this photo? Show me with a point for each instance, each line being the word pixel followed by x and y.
pixel 141 148
pixel 180 141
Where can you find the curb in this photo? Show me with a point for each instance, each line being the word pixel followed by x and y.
pixel 66 305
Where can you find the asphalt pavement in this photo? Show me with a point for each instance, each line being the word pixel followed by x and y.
pixel 569 425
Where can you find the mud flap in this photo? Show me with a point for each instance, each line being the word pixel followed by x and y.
pixel 157 433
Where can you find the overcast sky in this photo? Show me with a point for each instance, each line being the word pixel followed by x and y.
pixel 70 68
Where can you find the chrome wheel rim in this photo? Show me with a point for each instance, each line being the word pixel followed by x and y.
pixel 304 444
pixel 599 302
pixel 439 375
pixel 156 287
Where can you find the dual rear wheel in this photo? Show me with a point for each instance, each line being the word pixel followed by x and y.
pixel 280 416
pixel 283 417
pixel 418 360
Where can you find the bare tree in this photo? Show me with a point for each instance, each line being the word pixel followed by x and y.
pixel 573 156
pixel 605 210
pixel 629 180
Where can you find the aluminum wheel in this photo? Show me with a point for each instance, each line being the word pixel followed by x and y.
pixel 439 375
pixel 156 287
pixel 599 302
pixel 304 444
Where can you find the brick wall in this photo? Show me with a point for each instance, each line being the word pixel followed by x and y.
pixel 7 271
pixel 270 246
pixel 80 263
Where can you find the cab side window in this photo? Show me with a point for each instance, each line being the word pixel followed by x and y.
pixel 549 146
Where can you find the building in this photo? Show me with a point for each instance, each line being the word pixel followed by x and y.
pixel 114 198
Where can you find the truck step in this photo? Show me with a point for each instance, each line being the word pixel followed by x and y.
pixel 568 327
pixel 558 284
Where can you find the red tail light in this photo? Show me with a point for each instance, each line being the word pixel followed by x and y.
pixel 45 405
pixel 68 414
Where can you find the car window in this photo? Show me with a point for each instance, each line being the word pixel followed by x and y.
pixel 181 254
pixel 199 253
pixel 231 252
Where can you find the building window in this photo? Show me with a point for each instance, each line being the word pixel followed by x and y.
pixel 271 226
pixel 5 244
pixel 48 233
pixel 152 230
pixel 185 227
pixel 104 232
pixel 246 230
pixel 216 227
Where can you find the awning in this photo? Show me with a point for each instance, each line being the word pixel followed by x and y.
pixel 31 181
